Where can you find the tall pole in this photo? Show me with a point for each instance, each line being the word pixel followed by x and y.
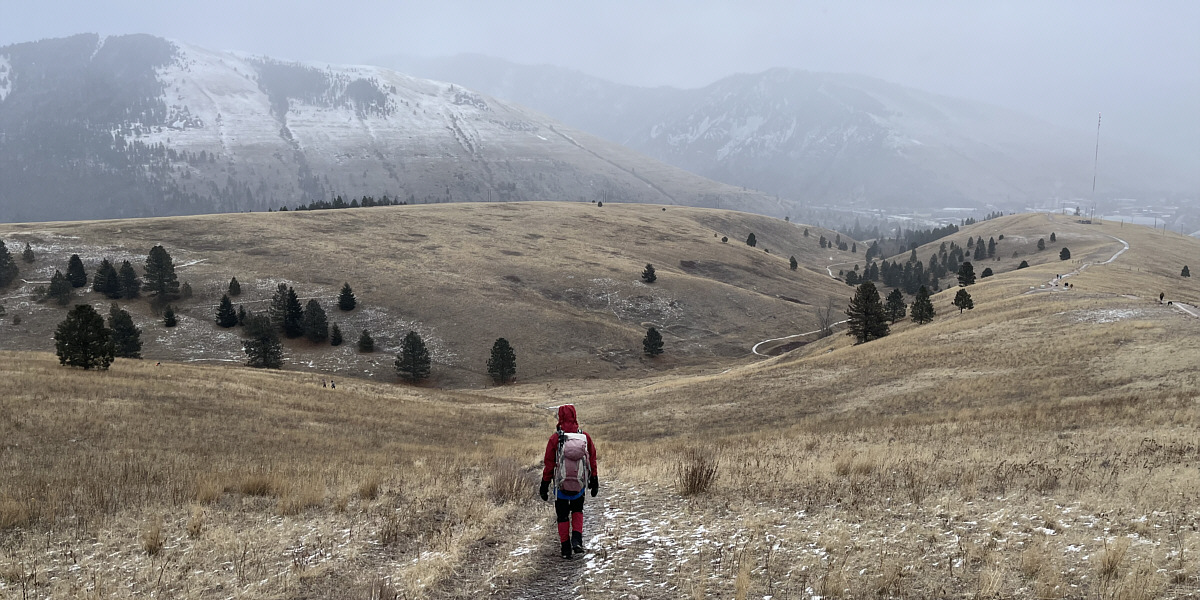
pixel 1095 163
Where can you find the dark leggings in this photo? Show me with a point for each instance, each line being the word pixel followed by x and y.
pixel 564 508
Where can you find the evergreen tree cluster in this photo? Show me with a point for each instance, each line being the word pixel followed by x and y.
pixel 364 202
pixel 8 267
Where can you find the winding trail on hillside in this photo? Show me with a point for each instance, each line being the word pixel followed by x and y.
pixel 1053 283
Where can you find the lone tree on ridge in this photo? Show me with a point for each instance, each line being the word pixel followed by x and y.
pixel 866 316
pixel 502 365
pixel 652 344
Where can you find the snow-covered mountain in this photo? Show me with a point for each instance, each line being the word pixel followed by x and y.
pixel 94 127
pixel 822 138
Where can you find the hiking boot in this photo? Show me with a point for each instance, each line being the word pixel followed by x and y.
pixel 566 550
pixel 577 542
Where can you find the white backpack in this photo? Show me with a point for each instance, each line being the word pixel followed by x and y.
pixel 572 469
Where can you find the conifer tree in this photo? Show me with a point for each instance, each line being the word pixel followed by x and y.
pixel 226 316
pixel 1064 254
pixel 1185 272
pixel 1053 238
pixel 262 346
pixel 82 340
pixel 865 314
pixel 991 247
pixel 277 310
pixel 126 337
pixel 793 263
pixel 922 307
pixel 966 274
pixel 1024 264
pixel 346 300
pixel 648 274
pixel 131 285
pixel 316 326
pixel 413 363
pixel 963 301
pixel 751 240
pixel 161 284
pixel 652 344
pixel 987 272
pixel 60 288
pixel 895 307
pixel 169 319
pixel 241 315
pixel 293 318
pixel 235 288
pixel 1041 245
pixel 75 272
pixel 502 365
pixel 335 335
pixel 107 281
pixel 8 267
pixel 366 343
pixel 28 255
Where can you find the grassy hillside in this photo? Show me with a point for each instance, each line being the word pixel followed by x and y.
pixel 560 281
pixel 1040 445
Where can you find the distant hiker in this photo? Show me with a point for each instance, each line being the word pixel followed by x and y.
pixel 332 384
pixel 1161 295
pixel 570 462
pixel 323 383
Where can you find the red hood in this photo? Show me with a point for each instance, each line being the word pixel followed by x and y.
pixel 566 419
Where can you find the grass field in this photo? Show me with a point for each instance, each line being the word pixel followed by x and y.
pixel 1041 445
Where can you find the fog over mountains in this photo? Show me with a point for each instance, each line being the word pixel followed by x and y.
pixel 140 126
pixel 823 138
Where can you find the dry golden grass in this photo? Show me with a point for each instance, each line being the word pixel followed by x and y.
pixel 1041 445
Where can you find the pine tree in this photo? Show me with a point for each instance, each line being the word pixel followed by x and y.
pixel 648 274
pixel 1024 264
pixel 75 272
pixel 161 284
pixel 1185 272
pixel 335 335
pixel 107 281
pixel 987 272
pixel 1041 245
pixel 346 300
pixel 169 319
pixel 502 365
pixel 793 263
pixel 751 240
pixel 922 307
pixel 60 288
pixel 895 308
pixel 235 288
pixel 866 315
pixel 991 247
pixel 963 301
pixel 316 326
pixel 131 285
pixel 126 337
pixel 1064 254
pixel 262 346
pixel 652 344
pixel 28 255
pixel 226 316
pixel 277 310
pixel 82 340
pixel 805 232
pixel 293 318
pixel 8 267
pixel 980 251
pixel 241 315
pixel 366 343
pixel 413 363
pixel 724 239
pixel 966 274
pixel 1053 238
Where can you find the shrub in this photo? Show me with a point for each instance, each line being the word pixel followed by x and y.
pixel 696 472
pixel 508 482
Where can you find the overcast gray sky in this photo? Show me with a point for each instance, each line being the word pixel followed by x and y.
pixel 1138 62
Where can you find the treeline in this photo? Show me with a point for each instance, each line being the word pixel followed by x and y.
pixel 914 273
pixel 339 202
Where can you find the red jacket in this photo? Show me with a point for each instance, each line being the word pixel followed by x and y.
pixel 568 424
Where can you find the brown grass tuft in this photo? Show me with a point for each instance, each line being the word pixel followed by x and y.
pixel 508 482
pixel 696 472
pixel 13 513
pixel 195 524
pixel 369 488
pixel 152 537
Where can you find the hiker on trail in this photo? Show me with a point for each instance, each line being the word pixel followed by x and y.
pixel 1161 295
pixel 570 463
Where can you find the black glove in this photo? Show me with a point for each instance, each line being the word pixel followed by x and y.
pixel 594 485
pixel 544 491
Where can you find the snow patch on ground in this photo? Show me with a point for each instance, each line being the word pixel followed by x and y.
pixel 1109 315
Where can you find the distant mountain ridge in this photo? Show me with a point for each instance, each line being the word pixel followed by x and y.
pixel 106 127
pixel 823 138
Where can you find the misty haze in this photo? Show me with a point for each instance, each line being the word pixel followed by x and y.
pixel 780 300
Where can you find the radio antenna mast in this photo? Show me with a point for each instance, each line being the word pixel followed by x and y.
pixel 1096 163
